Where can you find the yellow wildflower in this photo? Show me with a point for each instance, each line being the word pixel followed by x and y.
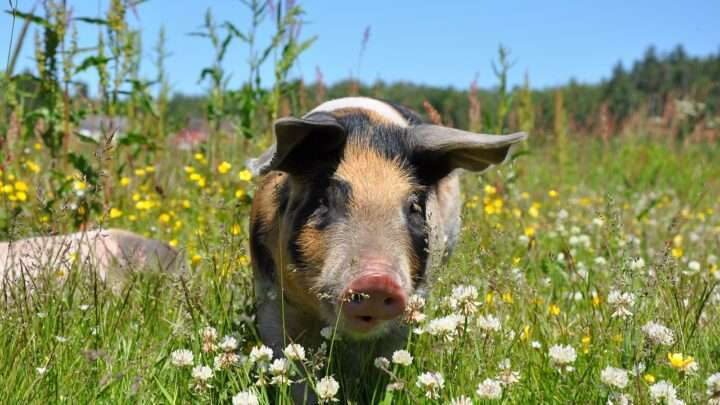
pixel 553 194
pixel 244 260
pixel 507 297
pixel 195 259
pixel 529 231
pixel 79 185
pixel 680 362
pixel 140 172
pixel 649 378
pixel 32 166
pixel 677 252
pixel 115 213
pixel 37 146
pixel 21 196
pixel 490 190
pixel 224 167
pixel 21 186
pixel 235 229
pixel 245 175
pixel 164 218
pixel 173 243
pixel 125 181
pixel 554 310
pixel 239 193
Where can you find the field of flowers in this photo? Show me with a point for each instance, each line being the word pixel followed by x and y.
pixel 587 276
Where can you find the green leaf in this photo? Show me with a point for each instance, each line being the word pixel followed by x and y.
pixel 28 16
pixel 86 139
pixel 92 20
pixel 92 61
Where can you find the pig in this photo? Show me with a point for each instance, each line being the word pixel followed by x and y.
pixel 111 253
pixel 357 204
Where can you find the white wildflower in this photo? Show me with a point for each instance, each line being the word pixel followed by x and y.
pixel 225 360
pixel 562 354
pixel 43 370
pixel 381 362
pixel 535 344
pixel 327 388
pixel 614 377
pixel 600 261
pixel 713 388
pixel 295 352
pixel 464 299
pixel 245 398
pixel 209 336
pixel 413 309
pixel 228 344
pixel 637 264
pixel 507 376
pixel 488 323
pixel 461 400
pixel 432 383
pixel 181 358
pixel 619 399
pixel 202 373
pixel 663 390
pixel 445 327
pixel 622 301
pixel 489 389
pixel 658 334
pixel 261 354
pixel 327 333
pixel 402 357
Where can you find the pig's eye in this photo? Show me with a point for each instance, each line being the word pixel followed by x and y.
pixel 332 206
pixel 415 205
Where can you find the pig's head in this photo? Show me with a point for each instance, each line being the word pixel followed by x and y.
pixel 355 209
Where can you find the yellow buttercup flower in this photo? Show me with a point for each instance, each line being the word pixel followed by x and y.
pixel 677 252
pixel 115 213
pixel 196 259
pixel 680 362
pixel 649 378
pixel 21 186
pixel 554 310
pixel 125 181
pixel 245 175
pixel 224 167
pixel 32 166
pixel 553 194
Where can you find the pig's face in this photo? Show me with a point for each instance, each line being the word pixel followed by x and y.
pixel 360 241
pixel 355 212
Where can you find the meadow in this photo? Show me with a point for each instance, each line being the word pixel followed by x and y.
pixel 587 270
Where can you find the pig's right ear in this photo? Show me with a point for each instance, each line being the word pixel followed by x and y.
pixel 301 144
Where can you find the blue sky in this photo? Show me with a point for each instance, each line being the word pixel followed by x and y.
pixel 430 42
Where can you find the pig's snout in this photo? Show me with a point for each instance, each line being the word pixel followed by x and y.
pixel 371 298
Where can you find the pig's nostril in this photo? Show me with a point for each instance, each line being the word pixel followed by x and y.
pixel 389 301
pixel 366 318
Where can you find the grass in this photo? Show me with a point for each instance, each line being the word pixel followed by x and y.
pixel 531 240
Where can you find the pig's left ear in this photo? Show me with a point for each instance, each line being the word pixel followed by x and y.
pixel 451 149
pixel 300 144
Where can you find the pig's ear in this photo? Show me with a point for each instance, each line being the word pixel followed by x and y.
pixel 301 144
pixel 448 149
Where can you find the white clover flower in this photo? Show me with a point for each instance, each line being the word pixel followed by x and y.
pixel 600 261
pixel 225 360
pixel 261 354
pixel 228 344
pixel 598 221
pixel 396 386
pixel 614 377
pixel 535 344
pixel 209 336
pixel 562 214
pixel 327 333
pixel 694 266
pixel 562 354
pixel 413 309
pixel 464 299
pixel 402 357
pixel 619 399
pixel 489 389
pixel 461 400
pixel 181 358
pixel 488 323
pixel 381 362
pixel 84 307
pixel 637 264
pixel 431 383
pixel 663 390
pixel 445 327
pixel 326 389
pixel 658 334
pixel 713 387
pixel 295 352
pixel 245 398
pixel 712 259
pixel 202 373
pixel 507 376
pixel 622 301
pixel 279 367
pixel 43 370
